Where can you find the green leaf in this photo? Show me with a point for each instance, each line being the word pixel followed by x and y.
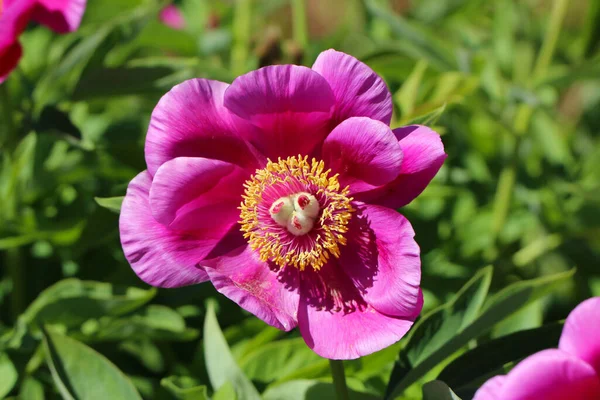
pixel 146 351
pixel 516 296
pixel 81 373
pixel 417 42
pixel 8 375
pixel 438 390
pixel 589 69
pixel 250 339
pixel 225 392
pixel 220 364
pixel 278 359
pixel 31 389
pixel 406 97
pixel 71 302
pixel 94 44
pixel 428 119
pixel 184 388
pixel 441 325
pixel 492 355
pixel 110 203
pixel 155 322
pixel 440 337
pixel 65 74
pixel 309 390
pixel 120 81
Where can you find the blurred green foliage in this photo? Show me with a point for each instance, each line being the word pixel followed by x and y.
pixel 512 85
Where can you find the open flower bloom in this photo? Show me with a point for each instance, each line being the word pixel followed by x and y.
pixel 570 372
pixel 61 16
pixel 281 190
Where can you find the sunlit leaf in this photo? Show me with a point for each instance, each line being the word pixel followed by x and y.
pixel 490 356
pixel 220 363
pixel 81 373
pixel 110 203
pixel 8 375
pixel 71 302
pixel 444 331
pixel 184 388
pixel 438 390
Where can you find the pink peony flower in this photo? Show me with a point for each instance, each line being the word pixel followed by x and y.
pixel 172 17
pixel 61 16
pixel 316 242
pixel 570 372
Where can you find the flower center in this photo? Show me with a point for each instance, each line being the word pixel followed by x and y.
pixel 297 213
pixel 294 213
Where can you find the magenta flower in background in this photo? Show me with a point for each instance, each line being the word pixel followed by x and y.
pixel 281 189
pixel 172 17
pixel 570 372
pixel 61 16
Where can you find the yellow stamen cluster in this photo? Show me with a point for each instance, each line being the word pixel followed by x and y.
pixel 332 223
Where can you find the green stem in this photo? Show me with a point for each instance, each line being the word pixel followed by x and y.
pixel 12 256
pixel 339 379
pixel 508 175
pixel 17 274
pixel 547 52
pixel 299 23
pixel 242 19
pixel 8 129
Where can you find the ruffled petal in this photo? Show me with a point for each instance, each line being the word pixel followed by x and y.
pixel 158 255
pixel 551 375
pixel 364 152
pixel 424 155
pixel 200 194
pixel 382 259
pixel 289 104
pixel 358 90
pixel 337 323
pixel 61 16
pixel 13 20
pixel 492 389
pixel 266 293
pixel 581 334
pixel 190 121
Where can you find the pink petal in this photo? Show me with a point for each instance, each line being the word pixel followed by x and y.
pixel 249 282
pixel 198 194
pixel 290 105
pixel 336 322
pixel 364 152
pixel 423 157
pixel 158 255
pixel 551 375
pixel 358 90
pixel 581 333
pixel 61 16
pixel 190 121
pixel 491 389
pixel 14 16
pixel 382 259
pixel 172 17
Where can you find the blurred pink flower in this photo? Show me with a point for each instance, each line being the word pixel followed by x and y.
pixel 570 372
pixel 172 17
pixel 61 16
pixel 316 242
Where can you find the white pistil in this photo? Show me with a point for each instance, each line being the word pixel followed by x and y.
pixel 297 212
pixel 282 210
